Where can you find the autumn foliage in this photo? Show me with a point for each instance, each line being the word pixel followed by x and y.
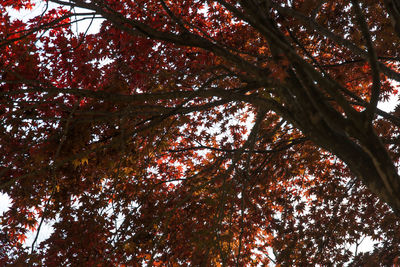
pixel 199 132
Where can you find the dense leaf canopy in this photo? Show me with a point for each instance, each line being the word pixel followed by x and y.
pixel 199 132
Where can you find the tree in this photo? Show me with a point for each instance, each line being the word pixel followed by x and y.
pixel 200 132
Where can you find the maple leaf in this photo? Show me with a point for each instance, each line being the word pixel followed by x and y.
pixel 199 133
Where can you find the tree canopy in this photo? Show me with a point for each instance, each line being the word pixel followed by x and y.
pixel 200 132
